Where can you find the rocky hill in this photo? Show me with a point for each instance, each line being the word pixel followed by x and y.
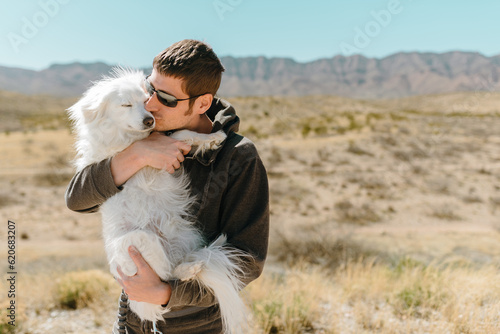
pixel 398 75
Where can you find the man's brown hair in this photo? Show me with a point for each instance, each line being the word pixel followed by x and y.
pixel 195 63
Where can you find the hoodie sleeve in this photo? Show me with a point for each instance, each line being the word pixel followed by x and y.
pixel 245 208
pixel 91 187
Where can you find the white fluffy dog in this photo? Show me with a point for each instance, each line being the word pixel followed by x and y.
pixel 152 209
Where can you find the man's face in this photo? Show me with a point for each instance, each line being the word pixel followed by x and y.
pixel 167 118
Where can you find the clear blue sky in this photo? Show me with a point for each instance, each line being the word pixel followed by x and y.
pixel 37 33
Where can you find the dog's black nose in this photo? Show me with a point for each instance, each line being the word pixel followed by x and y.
pixel 148 121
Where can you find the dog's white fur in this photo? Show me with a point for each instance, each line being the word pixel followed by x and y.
pixel 152 209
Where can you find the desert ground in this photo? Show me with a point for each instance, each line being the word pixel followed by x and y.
pixel 385 218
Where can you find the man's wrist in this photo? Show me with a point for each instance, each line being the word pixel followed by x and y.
pixel 167 289
pixel 135 156
pixel 125 164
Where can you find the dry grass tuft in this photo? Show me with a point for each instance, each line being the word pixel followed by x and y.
pixel 82 288
pixel 287 303
pixel 319 248
pixel 361 214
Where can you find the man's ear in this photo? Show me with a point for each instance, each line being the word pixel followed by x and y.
pixel 203 103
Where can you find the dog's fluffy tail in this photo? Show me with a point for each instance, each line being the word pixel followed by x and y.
pixel 222 273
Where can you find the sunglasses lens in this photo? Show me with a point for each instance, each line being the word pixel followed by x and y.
pixel 164 98
pixel 167 100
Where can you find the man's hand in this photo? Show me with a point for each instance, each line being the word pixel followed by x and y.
pixel 162 152
pixel 157 151
pixel 145 286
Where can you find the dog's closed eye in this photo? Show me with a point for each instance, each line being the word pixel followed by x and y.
pixel 127 105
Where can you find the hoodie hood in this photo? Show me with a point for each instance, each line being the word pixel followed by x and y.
pixel 223 116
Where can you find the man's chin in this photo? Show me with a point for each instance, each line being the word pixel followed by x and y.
pixel 161 128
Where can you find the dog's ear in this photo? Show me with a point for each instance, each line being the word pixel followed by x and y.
pixel 91 105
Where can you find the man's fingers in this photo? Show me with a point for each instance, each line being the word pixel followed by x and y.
pixel 120 272
pixel 183 147
pixel 180 157
pixel 176 164
pixel 137 258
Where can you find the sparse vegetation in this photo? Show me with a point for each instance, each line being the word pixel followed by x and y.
pixel 384 219
pixel 364 296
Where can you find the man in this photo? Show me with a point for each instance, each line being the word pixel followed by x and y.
pixel 230 183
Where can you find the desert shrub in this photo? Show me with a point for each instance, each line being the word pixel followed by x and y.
pixel 318 125
pixel 370 183
pixel 280 314
pixel 397 117
pixel 353 124
pixel 355 149
pixel 472 199
pixel 306 128
pixel 319 248
pixel 445 212
pixel 375 116
pixel 52 179
pixel 412 297
pixel 356 214
pixel 45 121
pixel 388 140
pixel 79 289
pixel 6 200
pixel 495 201
pixel 60 161
pixel 289 302
pixel 252 132
pixel 439 185
pixel 287 192
pixel 422 288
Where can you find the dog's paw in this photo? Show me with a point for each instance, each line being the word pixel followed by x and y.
pixel 186 136
pixel 129 268
pixel 126 268
pixel 213 140
pixel 189 270
pixel 209 142
pixel 203 142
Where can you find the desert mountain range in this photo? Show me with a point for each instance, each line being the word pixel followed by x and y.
pixel 398 75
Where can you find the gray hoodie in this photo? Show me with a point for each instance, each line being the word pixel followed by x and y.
pixel 231 186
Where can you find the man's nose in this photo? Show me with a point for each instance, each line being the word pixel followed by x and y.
pixel 151 103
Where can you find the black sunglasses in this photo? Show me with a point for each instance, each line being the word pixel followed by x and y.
pixel 165 98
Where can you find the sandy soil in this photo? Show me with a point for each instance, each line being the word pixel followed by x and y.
pixel 420 183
